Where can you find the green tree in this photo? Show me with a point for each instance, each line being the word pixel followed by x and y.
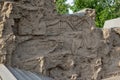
pixel 105 9
pixel 61 6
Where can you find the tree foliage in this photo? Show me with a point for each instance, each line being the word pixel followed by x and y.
pixel 105 9
pixel 61 6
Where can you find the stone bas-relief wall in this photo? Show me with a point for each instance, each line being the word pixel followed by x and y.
pixel 64 47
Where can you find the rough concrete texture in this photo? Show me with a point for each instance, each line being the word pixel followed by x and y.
pixel 113 78
pixel 64 47
pixel 112 23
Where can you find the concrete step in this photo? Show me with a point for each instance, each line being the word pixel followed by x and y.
pixel 5 74
pixel 9 73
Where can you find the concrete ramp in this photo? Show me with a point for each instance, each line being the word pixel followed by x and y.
pixel 5 74
pixel 9 73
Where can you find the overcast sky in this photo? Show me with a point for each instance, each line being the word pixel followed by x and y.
pixel 71 3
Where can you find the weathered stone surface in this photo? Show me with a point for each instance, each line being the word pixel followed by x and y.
pixel 7 37
pixel 65 47
pixel 111 66
pixel 113 78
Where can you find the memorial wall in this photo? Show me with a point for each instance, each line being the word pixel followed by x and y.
pixel 34 37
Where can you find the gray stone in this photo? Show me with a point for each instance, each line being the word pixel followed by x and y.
pixel 112 23
pixel 113 78
pixel 65 47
